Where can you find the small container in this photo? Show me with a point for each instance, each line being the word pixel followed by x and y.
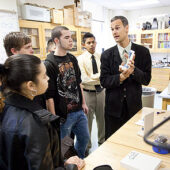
pixel 155 24
pixel 160 139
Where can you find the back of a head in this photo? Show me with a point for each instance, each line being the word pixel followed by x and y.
pixel 15 40
pixel 122 18
pixel 56 32
pixel 87 35
pixel 50 45
pixel 18 69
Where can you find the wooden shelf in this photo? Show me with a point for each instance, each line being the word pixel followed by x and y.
pixel 164 40
pixel 158 36
pixel 146 38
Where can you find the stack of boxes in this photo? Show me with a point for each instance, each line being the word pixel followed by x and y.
pixel 71 15
pixel 80 18
pixel 57 16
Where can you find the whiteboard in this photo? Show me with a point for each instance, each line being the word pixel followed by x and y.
pixel 8 23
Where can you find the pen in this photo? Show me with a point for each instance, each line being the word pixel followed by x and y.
pixel 160 112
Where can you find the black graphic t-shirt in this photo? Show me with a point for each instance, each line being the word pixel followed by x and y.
pixel 64 83
pixel 67 84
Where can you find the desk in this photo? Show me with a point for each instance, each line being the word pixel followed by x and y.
pixel 111 154
pixel 127 134
pixel 165 98
pixel 124 141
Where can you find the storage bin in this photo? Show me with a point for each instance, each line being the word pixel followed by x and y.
pixel 148 96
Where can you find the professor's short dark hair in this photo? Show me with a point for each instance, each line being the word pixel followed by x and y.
pixel 122 18
pixel 87 35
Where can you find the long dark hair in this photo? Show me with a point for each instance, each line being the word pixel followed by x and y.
pixel 18 69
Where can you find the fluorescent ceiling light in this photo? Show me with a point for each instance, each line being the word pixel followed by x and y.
pixel 141 3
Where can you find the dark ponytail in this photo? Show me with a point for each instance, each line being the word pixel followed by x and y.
pixel 3 73
pixel 18 69
pixel 2 69
pixel 2 77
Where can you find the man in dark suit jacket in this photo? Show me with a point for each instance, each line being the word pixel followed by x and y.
pixel 123 87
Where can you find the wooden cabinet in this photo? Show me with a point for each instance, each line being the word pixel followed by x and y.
pixel 157 41
pixel 160 78
pixel 82 31
pixel 163 41
pixel 74 32
pixel 147 39
pixel 46 35
pixel 34 31
pixel 134 36
pixel 40 33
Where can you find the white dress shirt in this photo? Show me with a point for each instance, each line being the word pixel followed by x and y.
pixel 85 63
pixel 121 49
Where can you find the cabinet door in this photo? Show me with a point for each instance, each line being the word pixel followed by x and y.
pixel 74 33
pixel 147 39
pixel 163 40
pixel 46 30
pixel 82 31
pixel 133 37
pixel 34 31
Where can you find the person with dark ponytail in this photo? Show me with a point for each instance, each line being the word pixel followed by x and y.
pixel 28 133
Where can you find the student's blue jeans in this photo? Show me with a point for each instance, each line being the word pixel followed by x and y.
pixel 77 123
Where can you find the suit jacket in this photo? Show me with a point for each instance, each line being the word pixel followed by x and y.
pixel 131 88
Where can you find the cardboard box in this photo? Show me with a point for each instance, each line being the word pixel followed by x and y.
pixel 35 41
pixel 83 19
pixel 75 8
pixel 74 14
pixel 68 16
pixel 80 18
pixel 57 16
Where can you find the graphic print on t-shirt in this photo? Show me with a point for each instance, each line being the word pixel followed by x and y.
pixel 67 85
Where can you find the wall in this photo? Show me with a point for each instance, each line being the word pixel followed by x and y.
pixel 97 22
pixel 97 14
pixel 144 15
pixel 8 5
pixel 8 22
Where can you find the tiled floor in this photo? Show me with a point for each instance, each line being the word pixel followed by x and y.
pixel 157 105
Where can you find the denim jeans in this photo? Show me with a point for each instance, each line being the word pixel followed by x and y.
pixel 76 122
